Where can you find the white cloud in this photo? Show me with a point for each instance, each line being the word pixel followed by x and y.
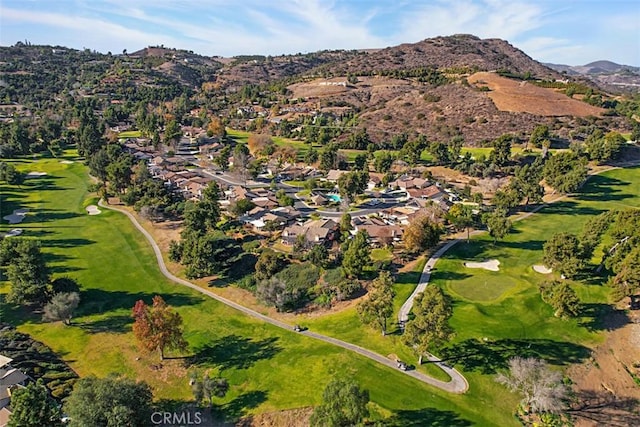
pixel 90 32
pixel 485 19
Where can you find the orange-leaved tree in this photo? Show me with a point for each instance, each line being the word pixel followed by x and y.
pixel 157 326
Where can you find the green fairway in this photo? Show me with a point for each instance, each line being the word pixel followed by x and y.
pixel 130 134
pixel 268 368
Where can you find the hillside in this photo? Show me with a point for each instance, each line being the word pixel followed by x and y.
pixel 424 87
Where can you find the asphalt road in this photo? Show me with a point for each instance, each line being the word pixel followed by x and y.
pixel 458 383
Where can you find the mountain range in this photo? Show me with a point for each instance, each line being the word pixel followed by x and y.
pixel 606 74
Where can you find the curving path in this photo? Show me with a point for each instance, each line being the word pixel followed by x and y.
pixel 458 383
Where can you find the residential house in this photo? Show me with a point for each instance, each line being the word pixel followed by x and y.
pixel 406 182
pixel 319 199
pixel 375 180
pixel 10 379
pixel 380 231
pixel 432 192
pixel 333 175
pixel 315 232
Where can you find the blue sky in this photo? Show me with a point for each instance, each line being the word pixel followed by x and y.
pixel 573 32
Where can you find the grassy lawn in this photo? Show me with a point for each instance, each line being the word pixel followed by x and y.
pixel 130 134
pixel 268 368
pixel 242 137
pixel 381 254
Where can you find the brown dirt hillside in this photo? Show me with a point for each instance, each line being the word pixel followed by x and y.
pixel 604 384
pixel 522 97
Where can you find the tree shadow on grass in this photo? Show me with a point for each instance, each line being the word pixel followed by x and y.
pixel 239 406
pixel 49 215
pixel 530 245
pixel 571 208
pixel 602 189
pixel 491 356
pixel 602 317
pixel 118 324
pixel 425 417
pixel 68 243
pixel 448 275
pixel 408 277
pixel 234 351
pixel 96 301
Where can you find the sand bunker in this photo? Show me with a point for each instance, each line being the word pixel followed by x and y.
pixel 17 216
pixel 542 269
pixel 93 210
pixel 35 174
pixel 491 265
pixel 66 162
pixel 14 232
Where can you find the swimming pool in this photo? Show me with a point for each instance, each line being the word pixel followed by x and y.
pixel 334 197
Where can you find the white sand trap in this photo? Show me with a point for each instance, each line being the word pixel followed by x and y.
pixel 35 174
pixel 93 210
pixel 17 216
pixel 491 265
pixel 14 232
pixel 542 269
pixel 66 162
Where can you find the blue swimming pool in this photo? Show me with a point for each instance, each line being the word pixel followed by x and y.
pixel 334 197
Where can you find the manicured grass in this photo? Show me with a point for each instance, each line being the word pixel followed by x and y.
pixel 482 285
pixel 130 134
pixel 381 254
pixel 268 368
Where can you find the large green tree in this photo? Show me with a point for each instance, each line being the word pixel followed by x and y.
pixel 498 224
pixel 26 269
pixel 203 216
pixel 501 153
pixel 461 216
pixel 564 253
pixel 378 308
pixel 31 406
pixel 356 255
pixel 344 404
pixel 429 327
pixel 561 297
pixel 565 172
pixel 109 402
pixel 353 183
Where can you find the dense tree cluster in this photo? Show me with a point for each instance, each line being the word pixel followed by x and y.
pixel 109 401
pixel 344 403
